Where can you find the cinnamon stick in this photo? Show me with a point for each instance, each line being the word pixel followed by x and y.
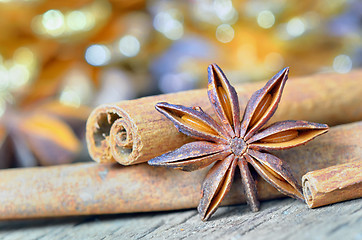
pixel 333 184
pixel 133 131
pixel 91 188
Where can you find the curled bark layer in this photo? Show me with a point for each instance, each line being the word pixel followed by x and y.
pixel 334 184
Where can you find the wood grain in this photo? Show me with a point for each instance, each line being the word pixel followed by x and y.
pixel 278 219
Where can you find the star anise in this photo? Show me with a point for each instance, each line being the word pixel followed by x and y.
pixel 236 142
pixel 47 134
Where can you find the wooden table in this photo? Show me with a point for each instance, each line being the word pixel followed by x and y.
pixel 277 219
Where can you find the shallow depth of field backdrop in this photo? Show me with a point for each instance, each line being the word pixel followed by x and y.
pixel 59 59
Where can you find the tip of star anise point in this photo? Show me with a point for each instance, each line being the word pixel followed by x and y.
pixel 160 162
pixel 154 162
pixel 213 65
pixel 324 126
pixel 204 216
pixel 161 107
pixel 286 70
pixel 164 107
pixel 284 73
pixel 204 219
pixel 214 70
pixel 161 104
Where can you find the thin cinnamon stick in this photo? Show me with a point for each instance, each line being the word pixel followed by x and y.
pixel 91 188
pixel 133 131
pixel 333 184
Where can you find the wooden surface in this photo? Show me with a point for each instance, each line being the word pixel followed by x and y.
pixel 277 219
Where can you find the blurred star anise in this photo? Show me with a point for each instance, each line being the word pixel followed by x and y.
pixel 48 134
pixel 235 142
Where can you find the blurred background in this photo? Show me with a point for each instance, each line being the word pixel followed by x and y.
pixel 60 59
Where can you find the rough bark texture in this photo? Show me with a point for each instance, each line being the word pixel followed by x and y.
pixel 334 184
pixel 133 131
pixel 91 188
pixel 277 219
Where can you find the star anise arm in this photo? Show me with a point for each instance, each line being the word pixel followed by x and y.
pixel 24 156
pixel 192 156
pixel 224 100
pixel 286 134
pixel 262 104
pixel 49 139
pixel 249 185
pixel 216 185
pixel 193 122
pixel 276 172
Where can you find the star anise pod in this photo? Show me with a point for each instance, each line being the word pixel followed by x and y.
pixel 47 134
pixel 235 141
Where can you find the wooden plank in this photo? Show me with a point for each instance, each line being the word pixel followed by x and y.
pixel 278 219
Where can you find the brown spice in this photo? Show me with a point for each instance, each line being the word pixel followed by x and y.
pixel 48 134
pixel 91 188
pixel 333 184
pixel 236 141
pixel 132 131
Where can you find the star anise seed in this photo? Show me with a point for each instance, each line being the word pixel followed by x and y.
pixel 235 141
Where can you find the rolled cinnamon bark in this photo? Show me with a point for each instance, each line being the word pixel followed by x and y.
pixel 91 188
pixel 131 132
pixel 333 184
